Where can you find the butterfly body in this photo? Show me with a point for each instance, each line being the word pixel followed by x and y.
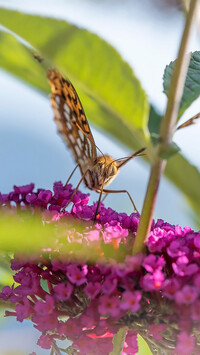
pixel 73 126
pixel 97 171
pixel 103 171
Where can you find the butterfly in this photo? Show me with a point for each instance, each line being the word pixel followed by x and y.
pixel 96 171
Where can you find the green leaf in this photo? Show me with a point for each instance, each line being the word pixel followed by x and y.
pixel 154 125
pixel 5 277
pixel 192 83
pixel 109 91
pixel 154 121
pixel 143 347
pixel 186 177
pixel 170 151
pixel 18 60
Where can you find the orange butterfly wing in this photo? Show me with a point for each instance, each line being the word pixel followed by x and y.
pixel 71 120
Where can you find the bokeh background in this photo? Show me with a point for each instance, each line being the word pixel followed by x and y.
pixel 147 35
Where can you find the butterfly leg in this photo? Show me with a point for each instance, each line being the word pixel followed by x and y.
pixel 121 191
pixel 71 175
pixel 75 190
pixel 99 200
pixel 103 199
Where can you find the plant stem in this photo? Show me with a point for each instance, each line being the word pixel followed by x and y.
pixel 118 341
pixel 56 349
pixel 167 129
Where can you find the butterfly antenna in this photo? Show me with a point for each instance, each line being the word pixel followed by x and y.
pixel 126 159
pixel 189 122
pixel 138 153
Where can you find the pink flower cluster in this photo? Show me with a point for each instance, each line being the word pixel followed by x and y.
pixel 88 303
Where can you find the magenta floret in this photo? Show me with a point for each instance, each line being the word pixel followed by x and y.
pixel 88 298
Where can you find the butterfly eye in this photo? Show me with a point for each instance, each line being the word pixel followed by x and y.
pixel 113 170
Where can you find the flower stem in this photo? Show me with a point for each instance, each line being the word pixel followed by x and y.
pixel 118 341
pixel 167 129
pixel 55 349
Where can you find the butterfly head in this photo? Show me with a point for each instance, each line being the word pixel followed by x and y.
pixel 104 169
pixel 102 172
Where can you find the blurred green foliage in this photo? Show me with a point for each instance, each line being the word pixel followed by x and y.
pixel 192 84
pixel 143 347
